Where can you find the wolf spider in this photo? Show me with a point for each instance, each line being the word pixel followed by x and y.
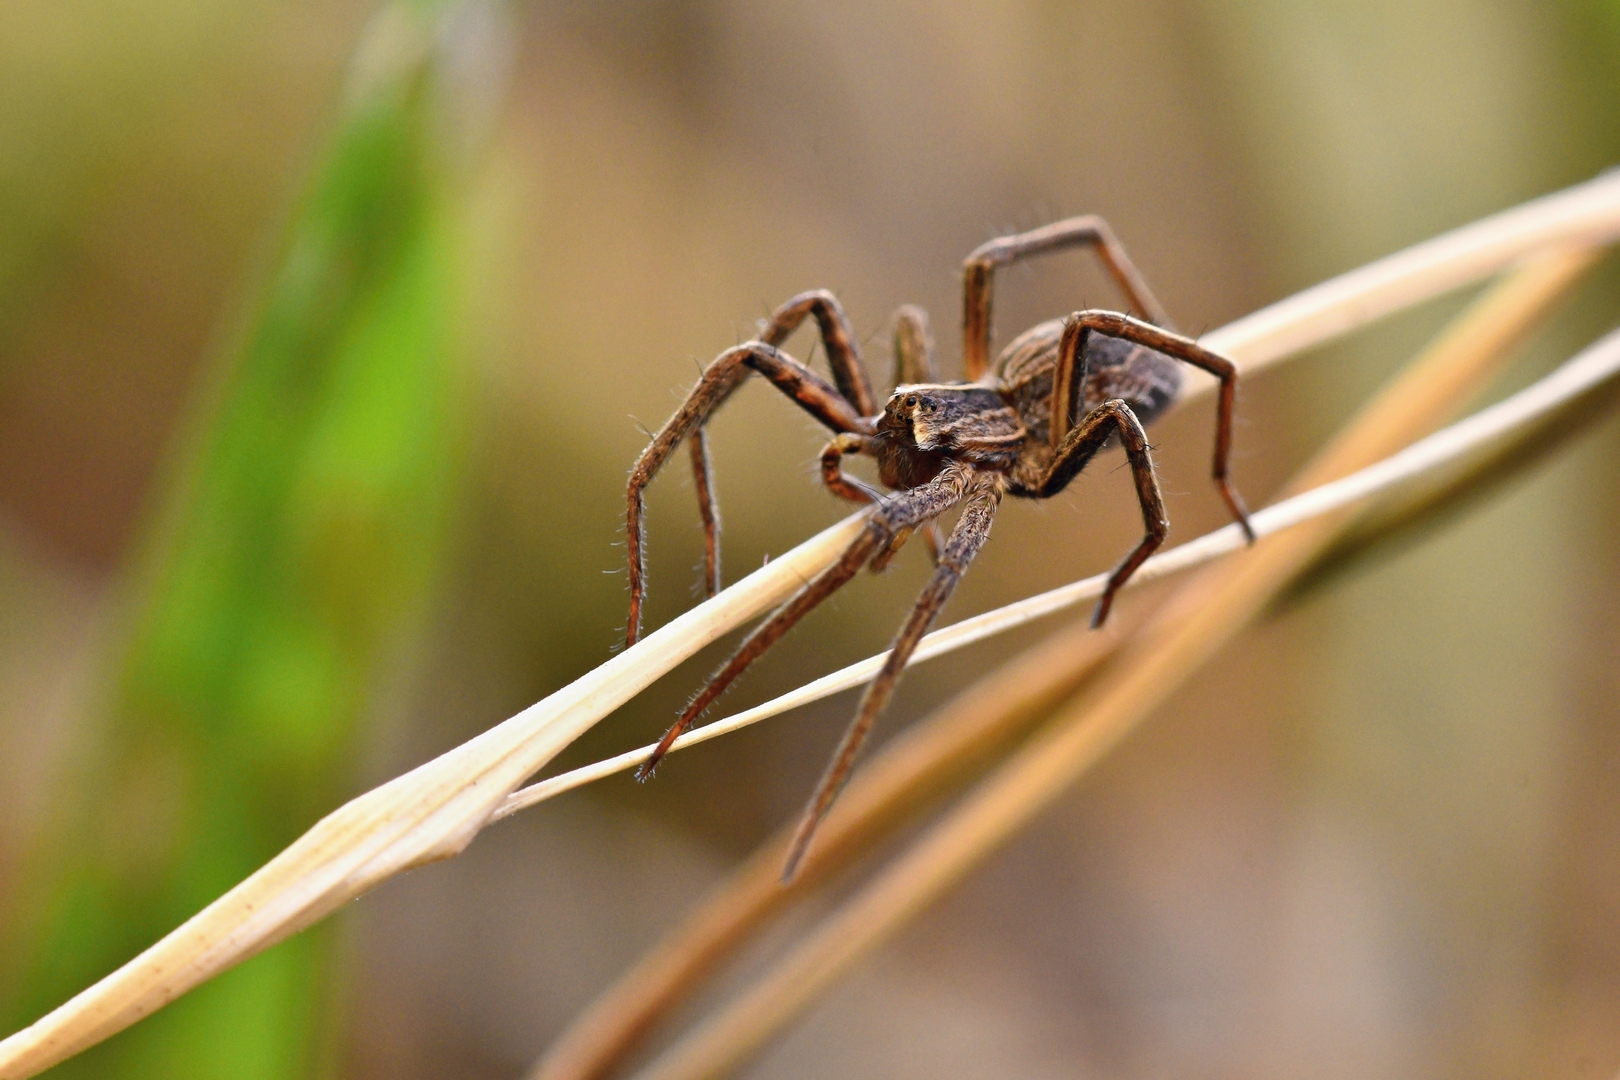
pixel 1056 395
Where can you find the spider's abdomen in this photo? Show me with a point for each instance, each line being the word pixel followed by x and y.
pixel 1147 381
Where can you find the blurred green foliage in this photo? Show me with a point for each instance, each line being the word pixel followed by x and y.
pixel 301 538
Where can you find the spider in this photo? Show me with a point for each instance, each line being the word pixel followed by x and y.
pixel 1026 426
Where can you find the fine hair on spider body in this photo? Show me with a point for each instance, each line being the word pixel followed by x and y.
pixel 1025 426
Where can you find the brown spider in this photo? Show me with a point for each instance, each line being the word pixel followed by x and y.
pixel 1025 427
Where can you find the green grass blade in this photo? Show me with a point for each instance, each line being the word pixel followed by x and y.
pixel 298 546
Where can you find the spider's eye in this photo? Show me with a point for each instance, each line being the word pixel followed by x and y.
pixel 911 402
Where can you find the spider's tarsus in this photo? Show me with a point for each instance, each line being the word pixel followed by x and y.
pixel 1240 512
pixel 798 848
pixel 654 759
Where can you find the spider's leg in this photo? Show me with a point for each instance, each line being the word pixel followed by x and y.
pixel 903 511
pixel 978 277
pixel 708 508
pixel 843 353
pixel 813 393
pixel 972 529
pixel 1079 447
pixel 913 347
pixel 1172 344
pixel 848 374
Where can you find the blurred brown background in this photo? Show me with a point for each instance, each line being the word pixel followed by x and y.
pixel 1381 837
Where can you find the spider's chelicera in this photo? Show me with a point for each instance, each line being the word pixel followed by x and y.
pixel 1024 427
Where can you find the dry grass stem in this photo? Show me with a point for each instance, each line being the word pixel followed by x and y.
pixel 936 754
pixel 433 811
pixel 1175 642
pixel 917 765
pixel 1579 216
pixel 1522 293
pixel 920 764
pixel 1429 504
pixel 430 813
pixel 1304 320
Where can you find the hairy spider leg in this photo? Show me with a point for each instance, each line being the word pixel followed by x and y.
pixel 971 531
pixel 1069 377
pixel 902 510
pixel 813 393
pixel 849 375
pixel 1114 417
pixel 978 278
pixel 837 337
pixel 708 507
pixel 913 347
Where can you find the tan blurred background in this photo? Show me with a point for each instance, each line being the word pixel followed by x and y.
pixel 1380 837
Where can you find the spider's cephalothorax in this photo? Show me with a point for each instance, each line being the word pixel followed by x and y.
pixel 926 425
pixel 1026 427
